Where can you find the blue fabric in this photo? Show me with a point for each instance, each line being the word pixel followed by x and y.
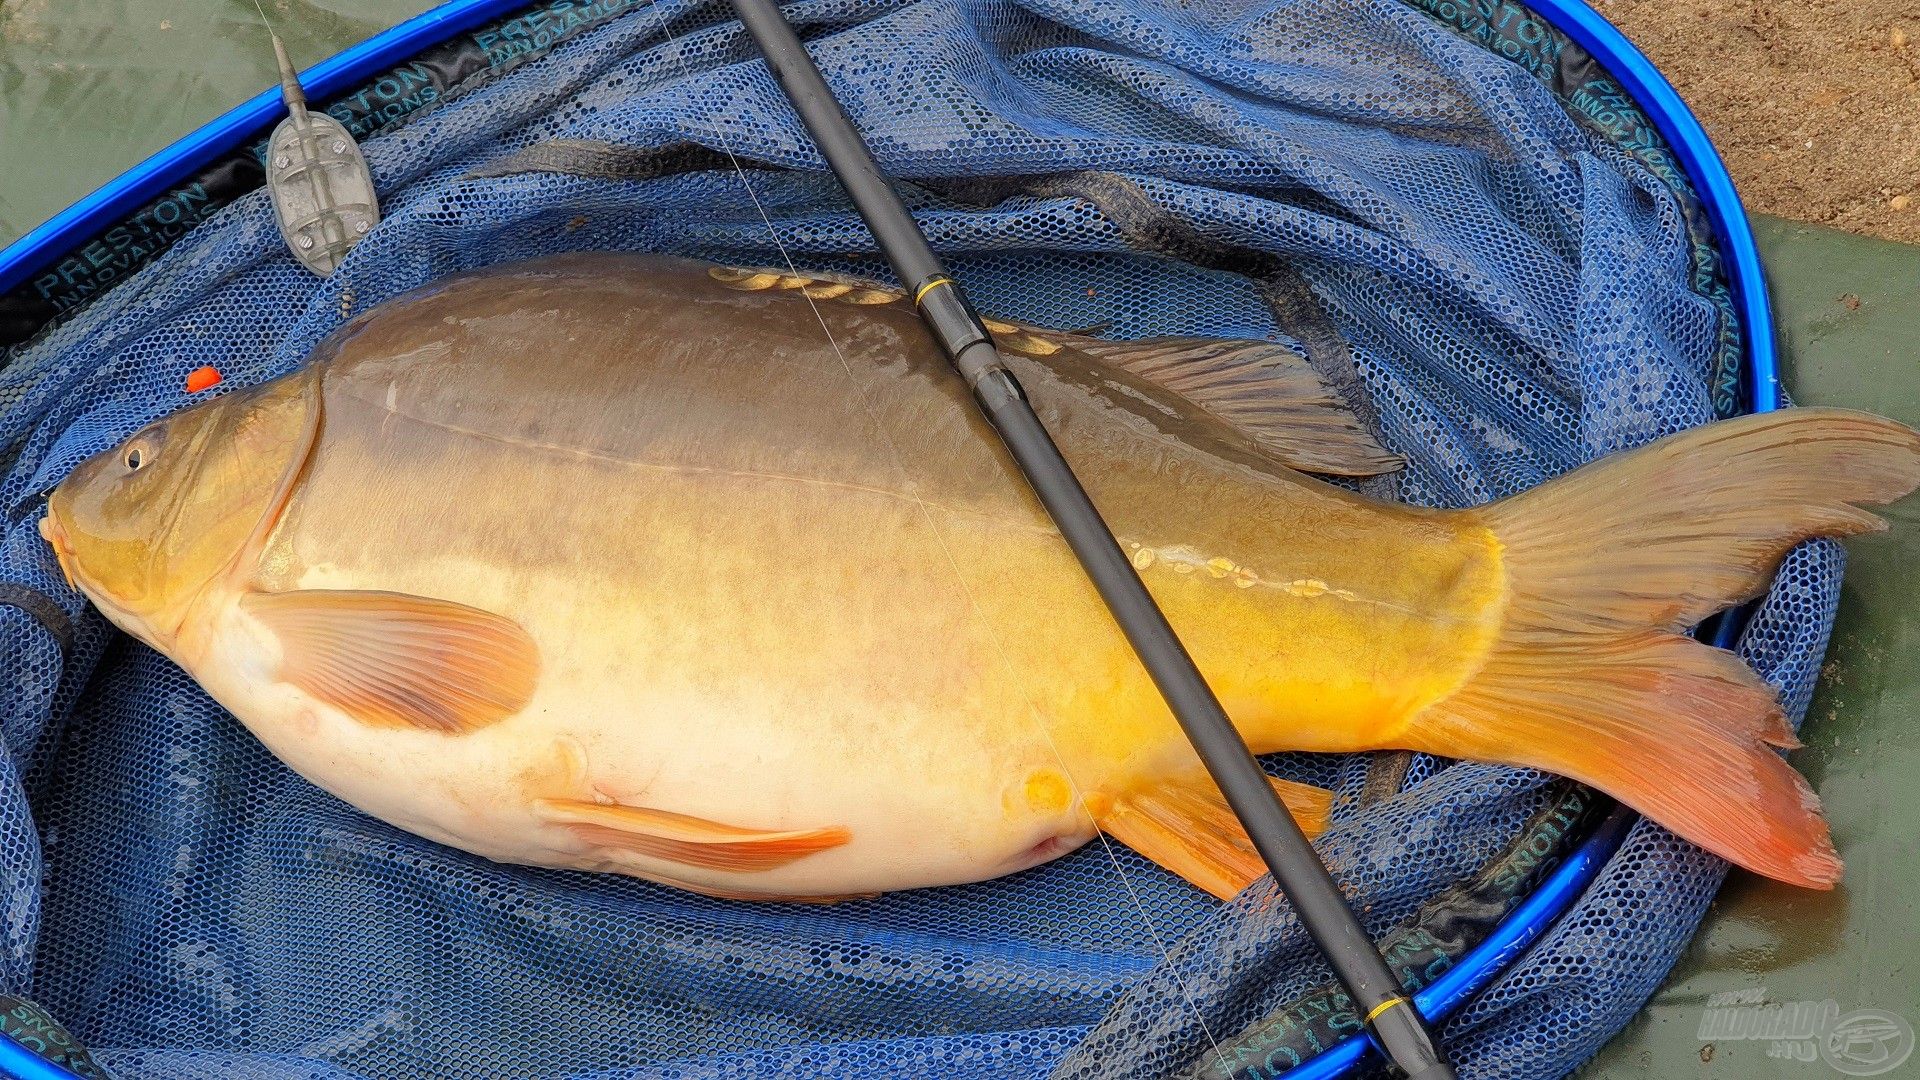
pixel 1518 295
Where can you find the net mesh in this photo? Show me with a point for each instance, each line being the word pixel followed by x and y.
pixel 1518 293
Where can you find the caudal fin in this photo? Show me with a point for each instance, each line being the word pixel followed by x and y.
pixel 1591 677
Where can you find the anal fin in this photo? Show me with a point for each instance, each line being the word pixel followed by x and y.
pixel 1184 824
pixel 687 840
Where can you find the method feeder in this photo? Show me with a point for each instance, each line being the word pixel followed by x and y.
pixel 322 192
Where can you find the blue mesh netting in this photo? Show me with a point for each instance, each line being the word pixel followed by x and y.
pixel 1516 293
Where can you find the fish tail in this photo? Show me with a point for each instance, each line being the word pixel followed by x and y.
pixel 1592 677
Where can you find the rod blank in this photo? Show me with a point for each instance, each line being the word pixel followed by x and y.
pixel 1394 1022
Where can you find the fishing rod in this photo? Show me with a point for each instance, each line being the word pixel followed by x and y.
pixel 1396 1025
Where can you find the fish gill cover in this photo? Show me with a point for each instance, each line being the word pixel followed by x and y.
pixel 1443 199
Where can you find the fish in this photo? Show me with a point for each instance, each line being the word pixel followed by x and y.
pixel 617 562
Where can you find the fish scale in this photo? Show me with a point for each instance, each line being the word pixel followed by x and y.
pixel 598 561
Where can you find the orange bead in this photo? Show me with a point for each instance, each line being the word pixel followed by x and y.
pixel 205 377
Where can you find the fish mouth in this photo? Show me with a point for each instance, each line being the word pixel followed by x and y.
pixel 56 537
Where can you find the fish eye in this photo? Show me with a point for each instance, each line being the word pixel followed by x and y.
pixel 136 456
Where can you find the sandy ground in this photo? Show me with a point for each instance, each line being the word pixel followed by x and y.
pixel 1814 104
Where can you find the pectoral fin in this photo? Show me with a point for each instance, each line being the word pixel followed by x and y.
pixel 394 660
pixel 691 841
pixel 1185 825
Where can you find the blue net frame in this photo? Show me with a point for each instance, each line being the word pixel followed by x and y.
pixel 1510 255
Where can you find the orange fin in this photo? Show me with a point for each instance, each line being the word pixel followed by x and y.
pixel 691 841
pixel 1589 678
pixel 1682 732
pixel 1185 825
pixel 394 660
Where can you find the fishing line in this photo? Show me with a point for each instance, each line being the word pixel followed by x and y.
pixel 926 513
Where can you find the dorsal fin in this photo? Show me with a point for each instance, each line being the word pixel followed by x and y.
pixel 847 289
pixel 1262 389
pixel 819 284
